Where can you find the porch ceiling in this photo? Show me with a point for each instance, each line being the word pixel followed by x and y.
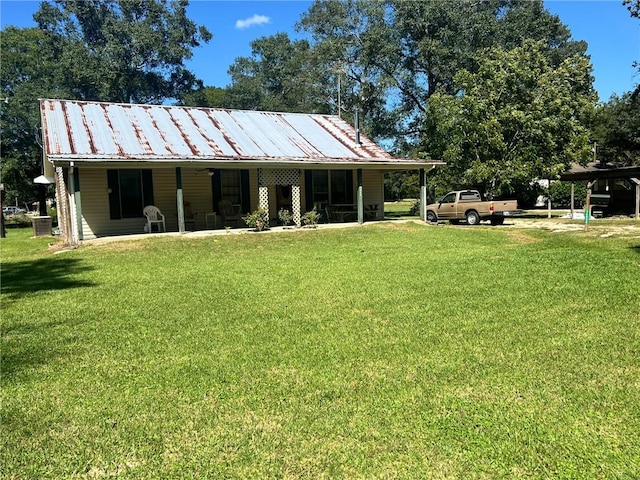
pixel 99 133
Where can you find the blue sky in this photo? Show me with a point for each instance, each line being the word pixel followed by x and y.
pixel 613 36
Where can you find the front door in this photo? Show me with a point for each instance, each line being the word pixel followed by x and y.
pixel 283 197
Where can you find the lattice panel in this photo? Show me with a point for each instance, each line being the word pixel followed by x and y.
pixel 278 176
pixel 263 197
pixel 295 203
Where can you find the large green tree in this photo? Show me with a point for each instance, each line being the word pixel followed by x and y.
pixel 30 69
pixel 105 50
pixel 634 9
pixel 280 75
pixel 396 54
pixel 616 130
pixel 517 118
pixel 125 50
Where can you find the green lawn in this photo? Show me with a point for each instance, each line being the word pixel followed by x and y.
pixel 385 351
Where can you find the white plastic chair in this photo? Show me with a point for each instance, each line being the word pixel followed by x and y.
pixel 154 217
pixel 229 213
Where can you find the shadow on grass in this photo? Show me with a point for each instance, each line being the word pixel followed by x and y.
pixel 22 278
pixel 27 344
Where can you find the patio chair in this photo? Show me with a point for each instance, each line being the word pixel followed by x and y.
pixel 154 217
pixel 229 214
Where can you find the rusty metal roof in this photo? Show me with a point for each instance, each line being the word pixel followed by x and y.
pixel 98 132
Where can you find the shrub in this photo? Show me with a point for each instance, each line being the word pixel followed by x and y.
pixel 285 217
pixel 311 218
pixel 560 193
pixel 258 219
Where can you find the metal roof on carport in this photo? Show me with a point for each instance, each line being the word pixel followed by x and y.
pixel 594 171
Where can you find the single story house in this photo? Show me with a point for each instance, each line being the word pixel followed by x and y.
pixel 109 161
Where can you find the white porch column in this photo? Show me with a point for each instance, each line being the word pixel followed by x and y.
pixel 76 202
pixel 73 211
pixel 360 198
pixel 423 195
pixel 637 182
pixel 179 200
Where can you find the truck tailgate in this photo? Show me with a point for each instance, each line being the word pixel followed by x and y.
pixel 505 207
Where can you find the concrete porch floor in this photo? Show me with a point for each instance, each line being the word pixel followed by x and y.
pixel 231 231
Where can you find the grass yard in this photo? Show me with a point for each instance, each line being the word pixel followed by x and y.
pixel 395 350
pixel 401 208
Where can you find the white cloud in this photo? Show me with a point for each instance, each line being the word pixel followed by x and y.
pixel 252 21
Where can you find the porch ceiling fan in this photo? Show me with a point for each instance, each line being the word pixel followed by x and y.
pixel 210 171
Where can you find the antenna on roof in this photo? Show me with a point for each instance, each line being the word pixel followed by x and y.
pixel 357 121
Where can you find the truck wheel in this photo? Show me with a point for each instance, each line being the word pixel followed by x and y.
pixel 432 217
pixel 472 217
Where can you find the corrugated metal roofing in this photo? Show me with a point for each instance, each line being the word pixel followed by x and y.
pixel 93 131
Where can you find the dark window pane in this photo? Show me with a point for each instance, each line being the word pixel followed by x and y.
pixel 320 185
pixel 231 189
pixel 113 184
pixel 131 193
pixel 339 186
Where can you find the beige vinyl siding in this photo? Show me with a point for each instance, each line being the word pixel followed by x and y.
pixel 372 189
pixel 96 221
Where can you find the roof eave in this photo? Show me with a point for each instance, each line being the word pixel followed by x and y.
pixel 371 163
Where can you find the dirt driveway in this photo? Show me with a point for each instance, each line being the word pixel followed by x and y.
pixel 597 227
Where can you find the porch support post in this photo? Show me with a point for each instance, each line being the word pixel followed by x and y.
pixel 637 182
pixel 295 200
pixel 179 199
pixel 423 195
pixel 587 205
pixel 360 200
pixel 73 207
pixel 74 184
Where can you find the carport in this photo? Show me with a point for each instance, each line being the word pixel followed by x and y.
pixel 604 180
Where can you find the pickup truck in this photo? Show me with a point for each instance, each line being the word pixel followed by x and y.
pixel 468 205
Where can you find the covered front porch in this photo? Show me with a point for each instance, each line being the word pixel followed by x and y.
pixel 109 201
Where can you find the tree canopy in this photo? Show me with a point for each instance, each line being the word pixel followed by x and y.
pixel 103 50
pixel 387 58
pixel 616 130
pixel 125 50
pixel 516 119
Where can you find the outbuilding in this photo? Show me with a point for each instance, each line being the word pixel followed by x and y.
pixel 610 188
